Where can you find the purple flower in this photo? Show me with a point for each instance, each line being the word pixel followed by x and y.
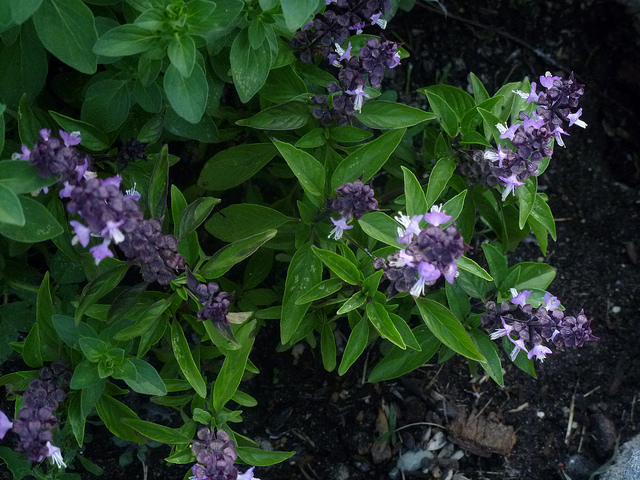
pixel 82 234
pixel 518 346
pixel 551 302
pixel 411 227
pixel 436 217
pixel 360 95
pixel 575 118
pixel 540 352
pixel 520 298
pixel 102 251
pixel 547 80
pixel 70 139
pixel 533 96
pixel 427 275
pixel 5 424
pixel 507 132
pixel 340 226
pixel 55 455
pixel 354 200
pixel 112 231
pixel 512 182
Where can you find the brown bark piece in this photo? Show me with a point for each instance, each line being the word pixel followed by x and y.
pixel 482 434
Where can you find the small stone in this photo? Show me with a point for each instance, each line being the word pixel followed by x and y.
pixel 394 473
pixel 361 463
pixel 605 434
pixel 616 309
pixel 437 441
pixel 410 461
pixel 579 467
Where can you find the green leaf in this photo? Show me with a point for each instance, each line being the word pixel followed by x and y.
pixel 125 40
pixel 526 197
pixel 282 84
pixel 93 349
pixel 479 92
pixel 32 353
pixel 67 29
pixel 542 213
pixel 328 348
pixel 521 361
pixel 382 114
pixel 106 104
pixel 413 193
pixel 249 66
pixel 233 368
pixel 39 224
pixel 113 413
pixel 368 159
pixel 10 207
pixel 69 332
pixel 541 233
pixel 305 270
pixel 18 464
pixel 28 125
pixel 85 375
pixel 147 380
pixel 439 178
pixel 92 137
pixel 223 20
pixel 158 184
pixel 349 134
pixel 158 433
pixel 24 68
pixel 286 116
pixel 196 213
pixel 399 362
pixel 380 319
pixel 356 344
pixel 356 301
pixel 203 131
pixel 144 320
pixel 262 458
pixel 490 121
pixel 228 256
pixel 244 220
pixel 380 226
pixel 306 168
pixel 187 95
pixel 405 331
pixel 243 161
pixel 488 350
pixel 449 104
pixel 182 353
pixel 320 290
pixel 201 16
pixel 473 268
pixel 497 261
pixel 339 265
pixel 298 12
pixel 21 10
pixel 455 205
pixel 99 287
pixel 447 328
pixel 534 275
pixel 182 54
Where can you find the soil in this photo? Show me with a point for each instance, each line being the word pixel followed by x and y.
pixel 333 422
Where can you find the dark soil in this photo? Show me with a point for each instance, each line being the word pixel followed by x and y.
pixel 333 422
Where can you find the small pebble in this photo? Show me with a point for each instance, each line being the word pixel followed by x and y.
pixel 579 467
pixel 394 473
pixel 616 309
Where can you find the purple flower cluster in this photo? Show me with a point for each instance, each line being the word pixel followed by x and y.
pixel 35 420
pixel 354 200
pixel 431 252
pixel 336 23
pixel 527 328
pixel 531 139
pixel 215 302
pixel 216 453
pixel 108 213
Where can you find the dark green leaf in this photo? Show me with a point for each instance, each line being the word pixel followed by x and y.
pixel 187 96
pixel 144 320
pixel 380 319
pixel 113 413
pixel 306 168
pixel 32 353
pixel 235 165
pixel 479 92
pixel 449 104
pixel 305 270
pixel 380 226
pixel 399 362
pixel 18 464
pixel 534 275
pixel 10 207
pixel 320 290
pixel 234 253
pixel 328 348
pixel 67 29
pixel 286 116
pixel 339 265
pixel 244 220
pixel 69 332
pixel 249 66
pixel 39 224
pixel 413 194
pixel 182 54
pixel 106 104
pixel 201 16
pixel 349 134
pixel 368 159
pixel 438 179
pixel 488 350
pixel 542 213
pixel 92 137
pixel 282 84
pixel 147 380
pixel 255 456
pixel 312 139
pixel 125 40
pixel 28 124
pixel 497 261
pixel 447 328
pixel 355 345
pixel 158 184
pixel 182 353
pixel 158 433
pixel 196 213
pixel 382 114
pixel 298 12
pixel 526 197
pixel 85 375
pixel 125 302
pixel 99 287
pixel 21 10
pixel 357 300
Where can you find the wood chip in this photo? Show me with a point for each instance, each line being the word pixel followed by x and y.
pixel 482 434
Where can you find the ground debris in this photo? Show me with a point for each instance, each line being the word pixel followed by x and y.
pixel 482 434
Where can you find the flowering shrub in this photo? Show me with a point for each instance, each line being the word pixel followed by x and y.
pixel 132 269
